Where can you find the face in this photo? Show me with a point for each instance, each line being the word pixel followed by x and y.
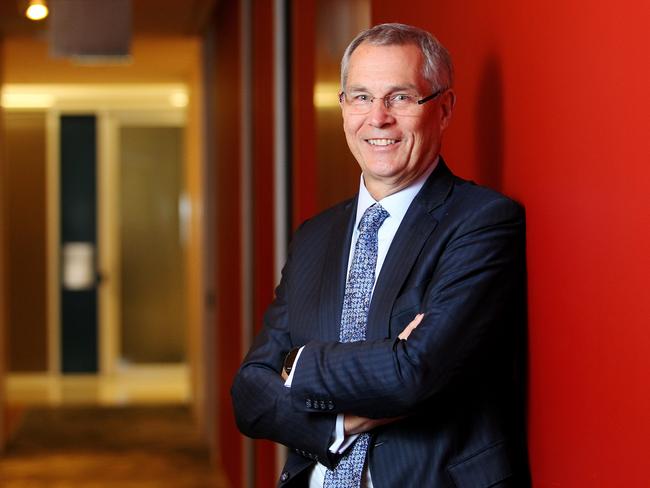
pixel 393 150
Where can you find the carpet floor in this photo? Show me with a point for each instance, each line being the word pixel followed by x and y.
pixel 107 447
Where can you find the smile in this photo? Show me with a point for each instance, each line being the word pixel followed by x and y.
pixel 382 142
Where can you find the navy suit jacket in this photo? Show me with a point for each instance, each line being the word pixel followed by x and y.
pixel 459 257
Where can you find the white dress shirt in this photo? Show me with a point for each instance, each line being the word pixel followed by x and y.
pixel 396 205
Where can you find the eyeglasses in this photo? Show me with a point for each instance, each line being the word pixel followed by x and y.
pixel 396 103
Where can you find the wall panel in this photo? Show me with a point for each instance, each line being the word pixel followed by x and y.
pixel 26 269
pixel 243 226
pixel 226 111
pixel 3 421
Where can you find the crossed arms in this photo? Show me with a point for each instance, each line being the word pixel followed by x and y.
pixel 355 424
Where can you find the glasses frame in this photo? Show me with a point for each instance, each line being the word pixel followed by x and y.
pixel 386 99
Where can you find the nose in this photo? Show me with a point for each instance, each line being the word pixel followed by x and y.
pixel 379 115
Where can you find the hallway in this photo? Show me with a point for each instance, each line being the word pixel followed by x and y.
pixel 107 447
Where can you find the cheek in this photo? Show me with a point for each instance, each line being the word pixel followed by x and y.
pixel 423 138
pixel 354 145
pixel 350 126
pixel 350 136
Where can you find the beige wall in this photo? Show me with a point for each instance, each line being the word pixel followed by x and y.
pixel 152 269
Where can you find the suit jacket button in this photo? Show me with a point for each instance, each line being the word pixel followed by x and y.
pixel 308 403
pixel 284 476
pixel 330 405
pixel 321 404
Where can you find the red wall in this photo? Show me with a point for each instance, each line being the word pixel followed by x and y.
pixel 303 39
pixel 263 202
pixel 553 104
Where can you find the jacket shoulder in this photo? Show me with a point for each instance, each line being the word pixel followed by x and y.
pixel 322 221
pixel 475 198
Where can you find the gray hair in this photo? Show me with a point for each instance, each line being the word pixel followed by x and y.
pixel 438 69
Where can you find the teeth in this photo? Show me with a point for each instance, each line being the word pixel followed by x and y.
pixel 382 142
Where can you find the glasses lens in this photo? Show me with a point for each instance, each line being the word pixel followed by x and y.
pixel 400 105
pixel 358 104
pixel 359 108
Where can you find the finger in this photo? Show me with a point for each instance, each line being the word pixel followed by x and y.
pixel 407 332
pixel 412 325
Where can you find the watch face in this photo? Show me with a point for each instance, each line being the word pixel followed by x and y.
pixel 289 359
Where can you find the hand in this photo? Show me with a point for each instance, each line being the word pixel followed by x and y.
pixel 353 424
pixel 411 327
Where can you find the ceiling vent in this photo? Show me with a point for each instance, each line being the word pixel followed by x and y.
pixel 91 30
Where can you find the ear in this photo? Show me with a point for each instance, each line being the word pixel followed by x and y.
pixel 447 103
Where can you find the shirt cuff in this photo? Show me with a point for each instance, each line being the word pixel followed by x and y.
pixel 288 381
pixel 341 442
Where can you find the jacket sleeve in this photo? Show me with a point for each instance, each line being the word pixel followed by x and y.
pixel 262 404
pixel 470 291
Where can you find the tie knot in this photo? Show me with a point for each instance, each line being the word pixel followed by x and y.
pixel 372 219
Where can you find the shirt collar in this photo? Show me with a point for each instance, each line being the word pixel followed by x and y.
pixel 395 204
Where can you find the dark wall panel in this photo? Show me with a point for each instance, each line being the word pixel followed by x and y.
pixel 78 224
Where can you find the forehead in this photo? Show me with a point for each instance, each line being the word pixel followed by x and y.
pixel 385 66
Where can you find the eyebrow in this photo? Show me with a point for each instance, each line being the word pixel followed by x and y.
pixel 391 89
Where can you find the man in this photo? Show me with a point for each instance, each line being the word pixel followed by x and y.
pixel 388 356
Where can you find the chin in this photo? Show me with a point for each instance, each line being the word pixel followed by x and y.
pixel 383 169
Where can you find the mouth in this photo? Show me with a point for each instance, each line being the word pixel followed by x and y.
pixel 382 142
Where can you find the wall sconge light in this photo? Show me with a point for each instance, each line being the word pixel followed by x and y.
pixel 36 10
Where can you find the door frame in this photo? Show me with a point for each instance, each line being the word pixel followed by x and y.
pixel 109 123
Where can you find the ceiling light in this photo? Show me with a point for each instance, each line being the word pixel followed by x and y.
pixel 27 100
pixel 36 10
pixel 178 99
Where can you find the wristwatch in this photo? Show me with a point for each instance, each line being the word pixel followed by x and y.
pixel 289 359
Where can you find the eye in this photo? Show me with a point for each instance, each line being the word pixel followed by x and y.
pixel 361 98
pixel 401 98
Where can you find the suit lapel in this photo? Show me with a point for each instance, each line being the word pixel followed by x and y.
pixel 334 274
pixel 411 236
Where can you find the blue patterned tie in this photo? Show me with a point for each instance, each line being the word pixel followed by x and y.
pixel 356 303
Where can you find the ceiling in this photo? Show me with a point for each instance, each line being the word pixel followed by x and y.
pixel 150 18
